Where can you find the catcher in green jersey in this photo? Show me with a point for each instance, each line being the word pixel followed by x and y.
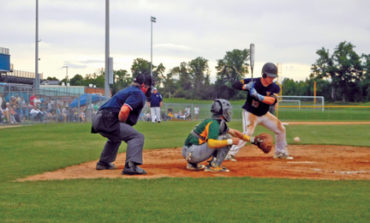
pixel 212 139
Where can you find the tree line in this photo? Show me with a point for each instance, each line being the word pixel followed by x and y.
pixel 340 76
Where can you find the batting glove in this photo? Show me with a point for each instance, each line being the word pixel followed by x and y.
pixel 255 94
pixel 248 86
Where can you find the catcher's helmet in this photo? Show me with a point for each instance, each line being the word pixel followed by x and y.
pixel 269 69
pixel 222 107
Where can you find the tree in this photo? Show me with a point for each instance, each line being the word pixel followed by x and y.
pixel 77 80
pixel 52 79
pixel 200 76
pixel 158 74
pixel 122 79
pixel 169 85
pixel 343 69
pixel 95 79
pixel 140 66
pixel 232 67
pixel 184 85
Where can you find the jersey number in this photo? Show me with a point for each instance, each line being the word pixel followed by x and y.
pixel 255 103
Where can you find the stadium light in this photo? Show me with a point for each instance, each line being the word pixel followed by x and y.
pixel 106 82
pixel 37 75
pixel 152 19
pixel 66 72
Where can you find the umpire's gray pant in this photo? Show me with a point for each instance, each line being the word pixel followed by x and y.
pixel 135 144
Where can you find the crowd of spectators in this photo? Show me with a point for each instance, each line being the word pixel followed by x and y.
pixel 18 108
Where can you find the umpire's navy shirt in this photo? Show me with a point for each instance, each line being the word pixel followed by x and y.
pixel 131 96
pixel 155 100
pixel 252 104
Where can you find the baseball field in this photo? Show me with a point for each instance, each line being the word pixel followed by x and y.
pixel 328 181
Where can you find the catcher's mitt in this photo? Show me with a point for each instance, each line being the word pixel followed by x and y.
pixel 264 141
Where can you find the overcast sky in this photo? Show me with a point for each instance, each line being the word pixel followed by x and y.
pixel 72 32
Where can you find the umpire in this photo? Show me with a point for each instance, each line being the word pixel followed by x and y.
pixel 114 121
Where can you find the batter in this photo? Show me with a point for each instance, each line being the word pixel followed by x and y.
pixel 262 93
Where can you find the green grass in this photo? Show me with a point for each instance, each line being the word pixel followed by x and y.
pixel 186 200
pixel 284 114
pixel 34 149
pixel 330 114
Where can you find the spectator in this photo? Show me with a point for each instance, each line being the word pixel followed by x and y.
pixel 36 114
pixel 155 104
pixel 10 113
pixel 2 107
pixel 196 112
pixel 187 113
pixel 170 114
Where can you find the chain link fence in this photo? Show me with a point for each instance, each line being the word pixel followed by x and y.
pixel 28 107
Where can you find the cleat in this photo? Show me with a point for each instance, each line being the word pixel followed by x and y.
pixel 283 156
pixel 188 157
pixel 216 169
pixel 231 158
pixel 105 166
pixel 195 166
pixel 132 169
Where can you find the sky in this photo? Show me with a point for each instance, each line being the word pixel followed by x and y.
pixel 285 32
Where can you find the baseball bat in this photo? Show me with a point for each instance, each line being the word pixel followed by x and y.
pixel 251 57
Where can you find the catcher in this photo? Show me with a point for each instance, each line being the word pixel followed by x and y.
pixel 212 139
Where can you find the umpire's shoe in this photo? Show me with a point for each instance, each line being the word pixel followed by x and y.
pixel 132 169
pixel 105 166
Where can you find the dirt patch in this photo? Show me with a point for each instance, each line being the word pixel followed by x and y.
pixel 310 162
pixel 328 123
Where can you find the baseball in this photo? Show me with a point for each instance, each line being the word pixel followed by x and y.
pixel 297 139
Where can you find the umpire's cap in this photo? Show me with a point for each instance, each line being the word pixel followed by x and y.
pixel 269 69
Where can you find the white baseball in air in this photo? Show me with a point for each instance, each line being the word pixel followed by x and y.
pixel 297 139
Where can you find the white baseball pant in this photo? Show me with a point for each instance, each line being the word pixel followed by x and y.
pixel 250 121
pixel 155 113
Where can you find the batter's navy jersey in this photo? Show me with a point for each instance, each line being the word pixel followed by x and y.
pixel 254 106
pixel 155 100
pixel 131 96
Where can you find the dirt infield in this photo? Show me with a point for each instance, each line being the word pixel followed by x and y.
pixel 310 162
pixel 328 123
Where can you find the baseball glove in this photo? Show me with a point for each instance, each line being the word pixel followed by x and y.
pixel 264 141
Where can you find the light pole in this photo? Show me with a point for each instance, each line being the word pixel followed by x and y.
pixel 106 82
pixel 66 72
pixel 152 19
pixel 37 75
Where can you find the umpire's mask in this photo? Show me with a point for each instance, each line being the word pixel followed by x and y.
pixel 222 107
pixel 146 79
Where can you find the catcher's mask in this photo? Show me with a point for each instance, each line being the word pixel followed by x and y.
pixel 222 107
pixel 147 80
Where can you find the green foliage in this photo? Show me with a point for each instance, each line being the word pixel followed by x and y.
pixel 342 75
pixel 231 68
pixel 77 80
pixel 140 66
pixel 122 79
pixel 344 70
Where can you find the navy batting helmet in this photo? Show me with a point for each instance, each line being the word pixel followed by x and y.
pixel 269 69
